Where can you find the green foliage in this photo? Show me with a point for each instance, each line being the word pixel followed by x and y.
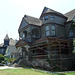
pixel 10 59
pixel 1 58
pixel 31 72
pixel 74 45
pixel 3 62
pixel 73 23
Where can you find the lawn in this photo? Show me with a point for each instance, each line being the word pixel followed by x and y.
pixel 29 72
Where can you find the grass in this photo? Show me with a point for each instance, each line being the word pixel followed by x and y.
pixel 29 72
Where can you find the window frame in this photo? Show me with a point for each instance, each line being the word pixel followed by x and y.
pixel 24 35
pixel 47 30
pixel 46 17
pixel 53 30
pixel 51 17
pixel 71 34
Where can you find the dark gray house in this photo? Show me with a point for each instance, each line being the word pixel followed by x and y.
pixel 4 46
pixel 8 48
pixel 49 37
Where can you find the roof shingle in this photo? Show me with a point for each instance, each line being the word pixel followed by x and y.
pixel 33 20
pixel 70 15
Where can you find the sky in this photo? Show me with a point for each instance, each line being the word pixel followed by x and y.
pixel 12 12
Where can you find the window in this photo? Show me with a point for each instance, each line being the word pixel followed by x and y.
pixel 53 30
pixel 71 33
pixel 45 17
pixel 24 34
pixel 51 17
pixel 47 31
pixel 35 32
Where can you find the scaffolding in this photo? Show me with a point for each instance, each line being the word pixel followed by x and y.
pixel 56 50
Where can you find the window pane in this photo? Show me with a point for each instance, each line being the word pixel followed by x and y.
pixel 47 33
pixel 47 27
pixel 23 36
pixel 51 17
pixel 53 33
pixel 71 33
pixel 53 27
pixel 45 17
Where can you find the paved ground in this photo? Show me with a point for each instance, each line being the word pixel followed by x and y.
pixel 7 67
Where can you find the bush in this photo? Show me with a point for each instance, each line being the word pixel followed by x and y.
pixel 10 60
pixel 73 45
pixel 1 58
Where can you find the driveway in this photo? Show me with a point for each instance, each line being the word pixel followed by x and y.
pixel 7 67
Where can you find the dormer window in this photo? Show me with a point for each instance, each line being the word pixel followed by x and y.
pixel 51 17
pixel 45 17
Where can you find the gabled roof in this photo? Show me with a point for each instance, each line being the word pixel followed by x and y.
pixel 48 10
pixel 70 15
pixel 33 20
pixel 11 49
pixel 1 45
pixel 6 37
pixel 21 43
pixel 12 42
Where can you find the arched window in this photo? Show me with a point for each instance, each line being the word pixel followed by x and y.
pixel 35 32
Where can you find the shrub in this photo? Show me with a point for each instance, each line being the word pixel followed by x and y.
pixel 1 58
pixel 74 45
pixel 10 59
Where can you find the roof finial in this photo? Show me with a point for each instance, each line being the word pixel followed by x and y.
pixel 6 37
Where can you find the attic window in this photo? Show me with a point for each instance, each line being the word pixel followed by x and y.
pixel 45 17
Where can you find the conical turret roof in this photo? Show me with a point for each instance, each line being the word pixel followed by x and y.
pixel 6 37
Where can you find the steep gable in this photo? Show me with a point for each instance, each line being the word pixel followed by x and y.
pixel 23 23
pixel 48 10
pixel 70 15
pixel 33 20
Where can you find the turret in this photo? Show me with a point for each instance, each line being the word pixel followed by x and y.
pixel 6 40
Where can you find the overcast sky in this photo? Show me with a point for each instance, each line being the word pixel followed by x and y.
pixel 12 11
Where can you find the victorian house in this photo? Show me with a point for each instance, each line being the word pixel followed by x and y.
pixel 8 48
pixel 49 37
pixel 4 46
